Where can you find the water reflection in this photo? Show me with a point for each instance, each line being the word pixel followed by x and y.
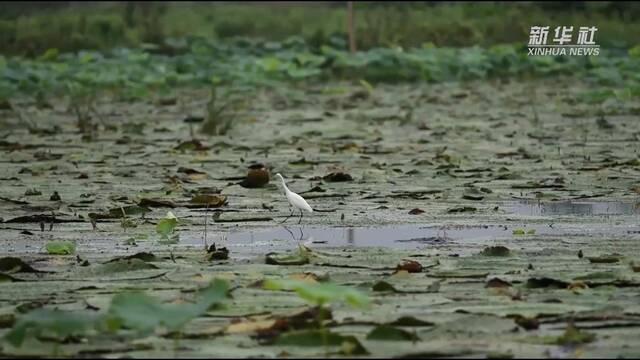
pixel 581 208
pixel 418 236
pixel 406 236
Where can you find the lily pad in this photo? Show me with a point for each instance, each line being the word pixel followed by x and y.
pixel 145 313
pixel 545 282
pixel 390 333
pixel 144 256
pixel 166 226
pixel 496 251
pixel 383 286
pixel 604 259
pixel 156 203
pixel 319 293
pixel 301 257
pixel 11 265
pixel 337 177
pixel 461 209
pixel 410 321
pixel 575 336
pixel 322 338
pixel 51 322
pixel 209 200
pixel 59 247
pixel 7 278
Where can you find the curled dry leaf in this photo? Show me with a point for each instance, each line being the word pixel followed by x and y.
pixel 497 283
pixel 410 266
pixel 461 209
pixel 604 259
pixel 526 322
pixel 214 253
pixel 156 203
pixel 495 251
pixel 337 177
pixel 192 145
pixel 10 265
pixel 188 174
pixel 208 200
pixel 287 259
pixel 257 176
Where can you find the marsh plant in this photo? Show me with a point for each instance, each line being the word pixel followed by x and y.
pixel 82 100
pixel 223 110
pixel 321 295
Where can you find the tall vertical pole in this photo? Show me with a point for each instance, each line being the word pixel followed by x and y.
pixel 351 24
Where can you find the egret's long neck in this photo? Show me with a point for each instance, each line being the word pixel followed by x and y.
pixel 284 185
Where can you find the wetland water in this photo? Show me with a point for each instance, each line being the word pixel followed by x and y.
pixel 417 236
pixel 542 219
pixel 437 187
pixel 411 236
pixel 575 207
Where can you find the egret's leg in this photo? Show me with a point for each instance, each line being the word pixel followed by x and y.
pixel 292 236
pixel 300 217
pixel 290 215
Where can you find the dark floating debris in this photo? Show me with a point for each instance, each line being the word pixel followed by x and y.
pixel 257 177
pixel 55 196
pixel 337 177
pixel 217 254
pixel 194 145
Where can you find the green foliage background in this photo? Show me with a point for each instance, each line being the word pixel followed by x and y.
pixel 32 28
pixel 135 48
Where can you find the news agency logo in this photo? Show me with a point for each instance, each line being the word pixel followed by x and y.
pixel 562 41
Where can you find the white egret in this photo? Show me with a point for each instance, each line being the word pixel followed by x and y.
pixel 295 200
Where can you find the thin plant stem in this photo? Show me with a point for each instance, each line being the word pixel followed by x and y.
pixel 351 27
pixel 206 214
pixel 319 320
